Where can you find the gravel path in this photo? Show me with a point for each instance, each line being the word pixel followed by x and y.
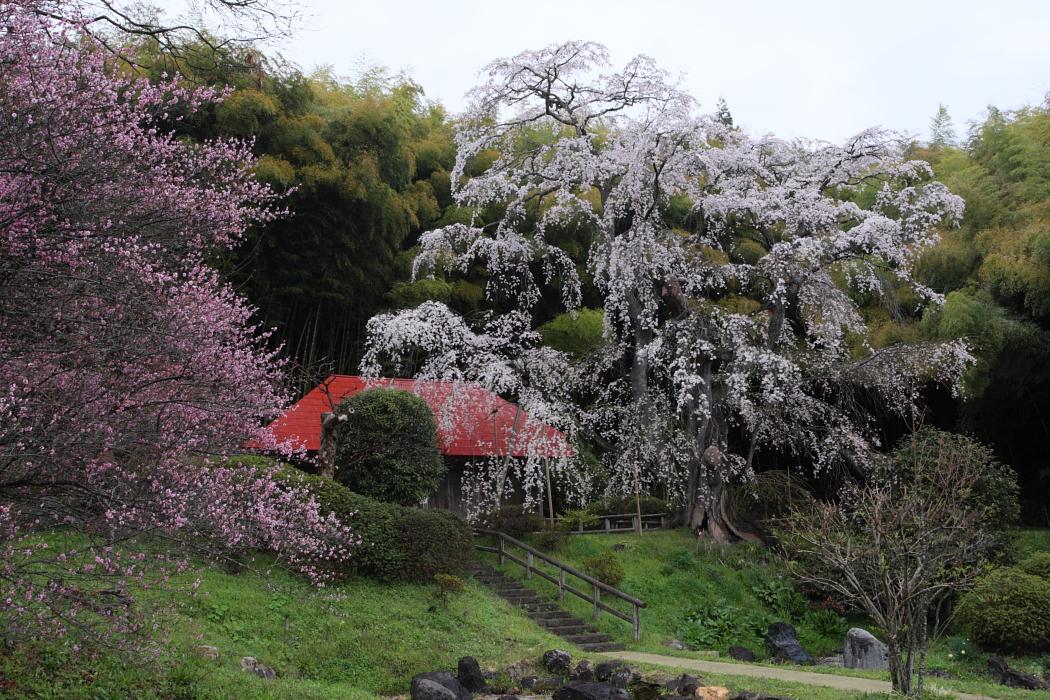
pixel 863 685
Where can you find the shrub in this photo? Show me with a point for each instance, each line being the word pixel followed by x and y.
pixel 512 520
pixel 446 586
pixel 605 567
pixel 386 448
pixel 1008 610
pixel 620 505
pixel 576 519
pixel 549 540
pixel 398 543
pixel 1037 565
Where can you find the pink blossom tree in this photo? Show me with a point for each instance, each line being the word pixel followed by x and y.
pixel 126 363
pixel 732 269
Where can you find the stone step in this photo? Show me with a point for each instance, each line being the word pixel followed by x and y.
pixel 587 638
pixel 603 646
pixel 571 630
pixel 550 616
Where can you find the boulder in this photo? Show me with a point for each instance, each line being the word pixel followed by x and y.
pixel 208 652
pixel 583 671
pixel 863 650
pixel 782 643
pixel 835 660
pixel 557 661
pixel 469 675
pixel 712 692
pixel 426 689
pixel 621 677
pixel 605 669
pixel 742 654
pixel 619 547
pixel 675 644
pixel 646 690
pixel 250 664
pixel 582 690
pixel 1013 678
pixel 443 678
pixel 547 684
pixel 687 684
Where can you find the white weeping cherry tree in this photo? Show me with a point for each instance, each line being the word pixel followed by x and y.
pixel 731 271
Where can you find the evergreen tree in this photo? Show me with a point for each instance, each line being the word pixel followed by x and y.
pixel 942 131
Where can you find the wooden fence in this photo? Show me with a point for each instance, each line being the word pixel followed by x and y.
pixel 622 522
pixel 509 549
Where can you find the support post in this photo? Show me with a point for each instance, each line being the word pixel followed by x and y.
pixel 502 551
pixel 597 601
pixel 528 564
pixel 637 623
pixel 561 585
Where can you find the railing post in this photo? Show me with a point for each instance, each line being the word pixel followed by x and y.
pixel 561 585
pixel 597 601
pixel 637 523
pixel 528 564
pixel 637 624
pixel 607 526
pixel 502 551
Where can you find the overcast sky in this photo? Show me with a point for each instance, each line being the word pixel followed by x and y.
pixel 796 68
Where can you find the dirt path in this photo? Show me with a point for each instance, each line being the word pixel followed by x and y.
pixel 863 685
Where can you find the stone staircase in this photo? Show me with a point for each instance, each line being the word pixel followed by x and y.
pixel 545 613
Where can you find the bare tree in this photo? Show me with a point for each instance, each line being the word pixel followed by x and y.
pixel 900 548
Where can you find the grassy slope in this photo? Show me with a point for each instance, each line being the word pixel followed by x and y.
pixel 357 639
pixel 730 574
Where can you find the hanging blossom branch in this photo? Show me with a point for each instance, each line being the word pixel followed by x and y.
pixel 734 329
pixel 126 364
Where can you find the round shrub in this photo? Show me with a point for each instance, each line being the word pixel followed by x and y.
pixel 386 447
pixel 432 542
pixel 1008 610
pixel 1037 565
pixel 605 567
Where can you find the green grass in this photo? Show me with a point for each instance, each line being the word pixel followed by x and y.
pixel 353 640
pixel 676 575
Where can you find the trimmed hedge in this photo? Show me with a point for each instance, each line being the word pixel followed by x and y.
pixel 1008 610
pixel 399 543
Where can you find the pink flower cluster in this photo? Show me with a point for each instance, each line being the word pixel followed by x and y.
pixel 125 361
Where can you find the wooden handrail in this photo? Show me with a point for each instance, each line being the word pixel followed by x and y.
pixel 597 587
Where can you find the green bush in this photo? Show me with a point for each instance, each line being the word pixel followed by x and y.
pixel 606 568
pixel 1008 610
pixel 512 520
pixel 621 505
pixel 398 543
pixel 917 457
pixel 386 448
pixel 1037 565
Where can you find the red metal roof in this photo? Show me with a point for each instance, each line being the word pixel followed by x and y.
pixel 472 421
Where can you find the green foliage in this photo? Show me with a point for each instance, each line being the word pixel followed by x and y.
pixel 446 586
pixel 1037 564
pixel 548 540
pixel 398 543
pixel 513 520
pixel 1008 610
pixel 919 456
pixel 621 505
pixel 386 448
pixel 578 333
pixel 605 567
pixel 575 519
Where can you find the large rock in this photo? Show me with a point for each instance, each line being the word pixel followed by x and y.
pixel 742 654
pixel 684 685
pixel 250 664
pixel 557 661
pixel 442 678
pixel 605 669
pixel 712 692
pixel 782 643
pixel 1012 677
pixel 582 690
pixel 426 689
pixel 583 671
pixel 469 675
pixel 862 650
